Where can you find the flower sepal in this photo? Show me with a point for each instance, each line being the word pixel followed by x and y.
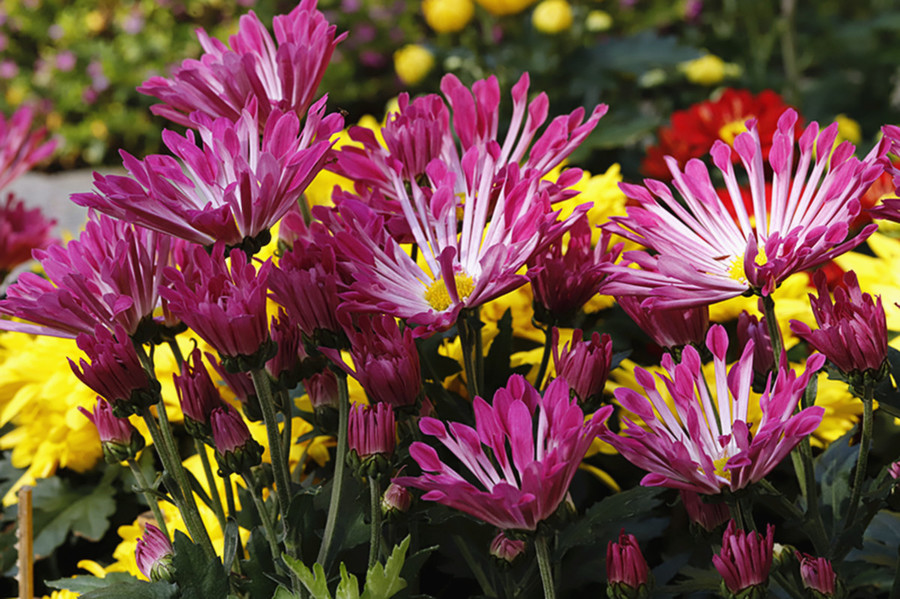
pixel 256 360
pixel 621 590
pixel 759 591
pixel 115 452
pixel 242 459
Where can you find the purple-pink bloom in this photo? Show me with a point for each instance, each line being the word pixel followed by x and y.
pixel 625 564
pixel 506 549
pixel 707 515
pixel 585 364
pixel 852 329
pixel 745 559
pixel 668 327
pixel 563 280
pixel 889 208
pixel 322 388
pixel 197 393
pixel 523 453
pixel 396 500
pixel 700 254
pixel 233 187
pixel 703 443
pixel 286 365
pixel 224 303
pixel 229 431
pixel 118 437
pixel 281 74
pixel 749 327
pixel 21 147
pixel 372 430
pixel 386 360
pixel 108 276
pixel 21 231
pixel 114 370
pixel 818 575
pixel 153 554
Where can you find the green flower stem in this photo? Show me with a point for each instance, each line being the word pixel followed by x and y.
pixel 542 550
pixel 211 482
pixel 229 494
pixel 470 342
pixel 774 330
pixel 545 357
pixel 267 523
pixel 862 460
pixel 183 495
pixel 475 566
pixel 279 462
pixel 340 461
pixel 284 402
pixel 375 508
pixel 151 500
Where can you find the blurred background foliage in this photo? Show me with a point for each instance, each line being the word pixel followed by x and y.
pixel 81 60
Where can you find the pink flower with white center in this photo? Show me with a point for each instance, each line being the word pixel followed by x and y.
pixel 745 559
pixel 281 74
pixel 371 430
pixel 21 147
pixel 224 303
pixel 232 188
pixel 625 565
pixel 522 453
pixel 704 444
pixel 115 371
pixel 108 276
pixel 21 232
pixel 564 280
pixel 118 437
pixel 818 575
pixel 701 254
pixel 669 328
pixel 153 554
pixel 585 364
pixel 386 360
pixel 852 329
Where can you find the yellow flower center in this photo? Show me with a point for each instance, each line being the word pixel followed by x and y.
pixel 729 131
pixel 438 297
pixel 720 467
pixel 736 266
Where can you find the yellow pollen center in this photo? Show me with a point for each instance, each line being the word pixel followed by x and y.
pixel 438 297
pixel 736 266
pixel 729 131
pixel 720 467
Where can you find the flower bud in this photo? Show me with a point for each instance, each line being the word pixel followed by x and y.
pixel 396 500
pixel 506 550
pixel 819 577
pixel 119 439
pixel 153 555
pixel 236 450
pixel 626 570
pixel 745 562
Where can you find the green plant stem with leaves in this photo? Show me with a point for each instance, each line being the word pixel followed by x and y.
pixel 339 466
pixel 545 357
pixel 468 325
pixel 148 495
pixel 266 518
pixel 211 482
pixel 862 460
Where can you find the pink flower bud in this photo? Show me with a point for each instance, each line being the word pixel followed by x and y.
pixel 153 554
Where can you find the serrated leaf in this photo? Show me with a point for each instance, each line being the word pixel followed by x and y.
pixel 283 593
pixel 604 519
pixel 383 582
pixel 135 590
pixel 314 580
pixel 348 587
pixel 59 510
pixel 198 576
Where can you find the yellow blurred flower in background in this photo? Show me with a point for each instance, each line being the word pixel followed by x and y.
pixel 552 16
pixel 709 69
pixel 448 16
pixel 412 63
pixel 848 130
pixel 598 20
pixel 500 8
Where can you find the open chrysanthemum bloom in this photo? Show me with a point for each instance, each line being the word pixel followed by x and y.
pixel 522 455
pixel 700 254
pixel 705 443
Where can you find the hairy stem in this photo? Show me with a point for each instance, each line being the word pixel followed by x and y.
pixel 339 464
pixel 542 549
pixel 151 500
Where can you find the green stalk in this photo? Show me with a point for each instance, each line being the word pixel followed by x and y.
pixel 279 464
pixel 151 500
pixel 267 523
pixel 339 465
pixel 545 358
pixel 863 457
pixel 211 482
pixel 375 508
pixel 542 550
pixel 774 330
pixel 468 345
pixel 286 432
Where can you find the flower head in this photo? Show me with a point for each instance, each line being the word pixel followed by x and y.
pixel 505 549
pixel 745 561
pixel 233 188
pixel 522 454
pixel 448 16
pixel 21 147
pixel 395 500
pixel 626 568
pixel 372 430
pixel 281 74
pixel 108 276
pixel 198 395
pixel 700 254
pixel 118 437
pixel 21 232
pixel 236 450
pixel 585 365
pixel 705 443
pixel 707 515
pixel 749 327
pixel 224 303
pixel 852 329
pixel 818 576
pixel 154 554
pixel 669 328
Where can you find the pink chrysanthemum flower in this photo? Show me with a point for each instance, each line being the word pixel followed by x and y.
pixel 21 147
pixel 751 327
pixel 701 254
pixel 21 232
pixel 234 187
pixel 584 364
pixel 522 455
pixel 818 575
pixel 108 276
pixel 236 450
pixel 118 437
pixel 704 444
pixel 707 515
pixel 889 208
pixel 281 74
pixel 625 565
pixel 852 329
pixel 372 430
pixel 153 554
pixel 745 560
pixel 669 328
pixel 224 303
pixel 197 394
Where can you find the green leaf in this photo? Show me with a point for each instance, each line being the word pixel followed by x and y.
pixel 879 549
pixel 314 580
pixel 59 510
pixel 348 587
pixel 496 363
pixel 637 54
pixel 383 582
pixel 258 568
pixel 135 590
pixel 283 593
pixel 198 576
pixel 832 470
pixel 84 584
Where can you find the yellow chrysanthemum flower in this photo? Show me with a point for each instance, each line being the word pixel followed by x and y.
pixel 500 8
pixel 598 20
pixel 552 16
pixel 448 16
pixel 709 69
pixel 412 63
